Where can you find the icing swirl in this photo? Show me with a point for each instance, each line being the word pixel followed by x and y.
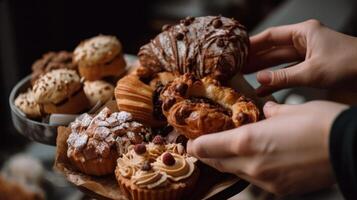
pixel 183 167
pixel 149 179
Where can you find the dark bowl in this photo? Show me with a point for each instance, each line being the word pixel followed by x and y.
pixel 34 130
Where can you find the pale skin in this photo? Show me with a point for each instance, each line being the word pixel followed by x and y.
pixel 288 152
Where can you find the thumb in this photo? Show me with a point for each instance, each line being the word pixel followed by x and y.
pixel 272 109
pixel 272 81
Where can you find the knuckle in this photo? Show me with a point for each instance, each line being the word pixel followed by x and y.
pixel 314 23
pixel 197 149
pixel 281 77
pixel 244 145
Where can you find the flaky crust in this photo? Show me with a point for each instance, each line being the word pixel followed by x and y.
pixel 204 46
pixel 226 109
pixel 134 96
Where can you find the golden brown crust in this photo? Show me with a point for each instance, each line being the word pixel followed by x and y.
pixel 73 105
pixel 196 107
pixel 115 68
pixel 135 97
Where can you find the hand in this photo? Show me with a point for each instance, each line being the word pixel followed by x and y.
pixel 287 153
pixel 329 58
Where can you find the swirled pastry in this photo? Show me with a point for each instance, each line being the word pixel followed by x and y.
pixel 203 46
pixel 201 106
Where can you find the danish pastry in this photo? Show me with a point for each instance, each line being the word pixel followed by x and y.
pixel 201 106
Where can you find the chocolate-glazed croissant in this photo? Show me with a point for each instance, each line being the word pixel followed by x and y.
pixel 212 46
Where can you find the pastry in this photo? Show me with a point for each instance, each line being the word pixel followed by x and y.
pixel 140 99
pixel 60 91
pixel 27 104
pixel 95 142
pixel 156 171
pixel 200 106
pixel 98 91
pixel 203 46
pixel 99 57
pixel 51 61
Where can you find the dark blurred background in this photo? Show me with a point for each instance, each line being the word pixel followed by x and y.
pixel 31 28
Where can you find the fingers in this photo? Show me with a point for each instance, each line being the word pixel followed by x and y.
pixel 272 37
pixel 272 109
pixel 272 81
pixel 224 144
pixel 272 57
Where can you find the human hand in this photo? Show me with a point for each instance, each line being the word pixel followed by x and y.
pixel 287 153
pixel 328 58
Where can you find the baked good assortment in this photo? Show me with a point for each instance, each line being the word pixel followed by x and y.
pixel 203 46
pixel 99 57
pixel 177 92
pixel 71 83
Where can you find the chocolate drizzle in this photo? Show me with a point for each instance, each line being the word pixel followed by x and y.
pixel 202 46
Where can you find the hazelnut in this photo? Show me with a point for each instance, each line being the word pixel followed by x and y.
pixel 217 23
pixel 180 36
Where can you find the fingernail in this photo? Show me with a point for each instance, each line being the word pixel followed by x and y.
pixel 269 104
pixel 264 77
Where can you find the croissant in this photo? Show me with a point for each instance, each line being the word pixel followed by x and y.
pixel 212 46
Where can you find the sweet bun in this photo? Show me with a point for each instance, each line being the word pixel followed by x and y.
pixel 27 104
pixel 51 61
pixel 98 91
pixel 99 57
pixel 203 46
pixel 60 91
pixel 200 106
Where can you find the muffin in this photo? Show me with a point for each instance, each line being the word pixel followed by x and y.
pixel 95 142
pixel 60 91
pixel 156 171
pixel 27 104
pixel 98 91
pixel 51 61
pixel 99 57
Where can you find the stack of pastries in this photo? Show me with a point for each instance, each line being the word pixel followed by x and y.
pixel 71 83
pixel 180 87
